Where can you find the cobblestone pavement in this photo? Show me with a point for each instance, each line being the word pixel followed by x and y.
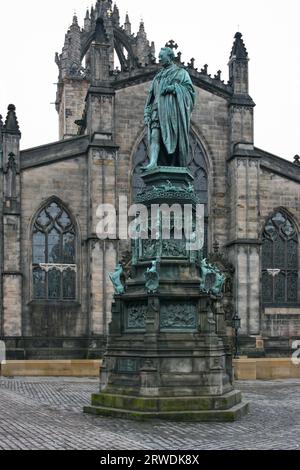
pixel 47 414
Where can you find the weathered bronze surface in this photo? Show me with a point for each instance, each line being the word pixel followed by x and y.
pixel 168 112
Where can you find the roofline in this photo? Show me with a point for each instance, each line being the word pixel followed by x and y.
pixel 146 74
pixel 279 166
pixel 56 142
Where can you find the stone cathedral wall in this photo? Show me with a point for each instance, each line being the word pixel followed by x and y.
pixel 278 192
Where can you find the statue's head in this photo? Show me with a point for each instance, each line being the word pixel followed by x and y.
pixel 166 56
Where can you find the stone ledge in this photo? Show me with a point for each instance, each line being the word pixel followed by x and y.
pixel 166 404
pixel 265 369
pixel 282 311
pixel 59 368
pixel 230 415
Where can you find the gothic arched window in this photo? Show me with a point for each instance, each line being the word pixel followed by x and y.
pixel 54 254
pixel 280 261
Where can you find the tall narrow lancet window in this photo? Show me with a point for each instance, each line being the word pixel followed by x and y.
pixel 54 255
pixel 280 263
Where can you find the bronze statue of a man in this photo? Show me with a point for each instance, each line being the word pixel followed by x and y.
pixel 168 112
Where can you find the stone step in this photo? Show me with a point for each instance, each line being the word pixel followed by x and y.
pixel 233 414
pixel 167 404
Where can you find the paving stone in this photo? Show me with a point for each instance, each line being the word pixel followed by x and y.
pixel 47 414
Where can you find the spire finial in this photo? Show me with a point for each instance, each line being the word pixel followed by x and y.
pixel 116 15
pixel 239 51
pixel 127 24
pixel 142 25
pixel 75 19
pixel 297 160
pixel 11 125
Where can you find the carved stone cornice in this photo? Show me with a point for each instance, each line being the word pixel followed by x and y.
pixel 57 267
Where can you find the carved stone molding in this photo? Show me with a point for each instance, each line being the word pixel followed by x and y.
pixel 58 267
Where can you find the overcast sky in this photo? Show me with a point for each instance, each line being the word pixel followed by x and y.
pixel 32 31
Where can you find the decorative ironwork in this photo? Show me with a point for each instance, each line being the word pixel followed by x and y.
pixel 54 254
pixel 179 316
pixel 279 261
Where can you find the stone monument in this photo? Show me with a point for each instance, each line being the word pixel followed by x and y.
pixel 167 354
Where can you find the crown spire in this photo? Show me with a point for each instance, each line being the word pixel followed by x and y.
pixel 239 51
pixel 142 26
pixel 75 19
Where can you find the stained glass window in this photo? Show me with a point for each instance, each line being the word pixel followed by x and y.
pixel 280 261
pixel 54 255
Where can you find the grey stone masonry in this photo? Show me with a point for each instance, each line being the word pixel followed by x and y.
pixel 11 227
pixel 105 70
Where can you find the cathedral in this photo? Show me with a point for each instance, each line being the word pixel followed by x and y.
pixel 55 291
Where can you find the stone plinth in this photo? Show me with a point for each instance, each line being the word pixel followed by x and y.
pixel 167 356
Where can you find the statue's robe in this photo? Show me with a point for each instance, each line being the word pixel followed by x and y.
pixel 174 109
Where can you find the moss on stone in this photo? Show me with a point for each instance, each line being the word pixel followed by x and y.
pixel 230 415
pixel 166 404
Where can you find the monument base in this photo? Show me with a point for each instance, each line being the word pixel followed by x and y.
pixel 167 356
pixel 227 407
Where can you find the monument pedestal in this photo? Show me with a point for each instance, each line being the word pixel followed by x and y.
pixel 166 357
pixel 227 408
